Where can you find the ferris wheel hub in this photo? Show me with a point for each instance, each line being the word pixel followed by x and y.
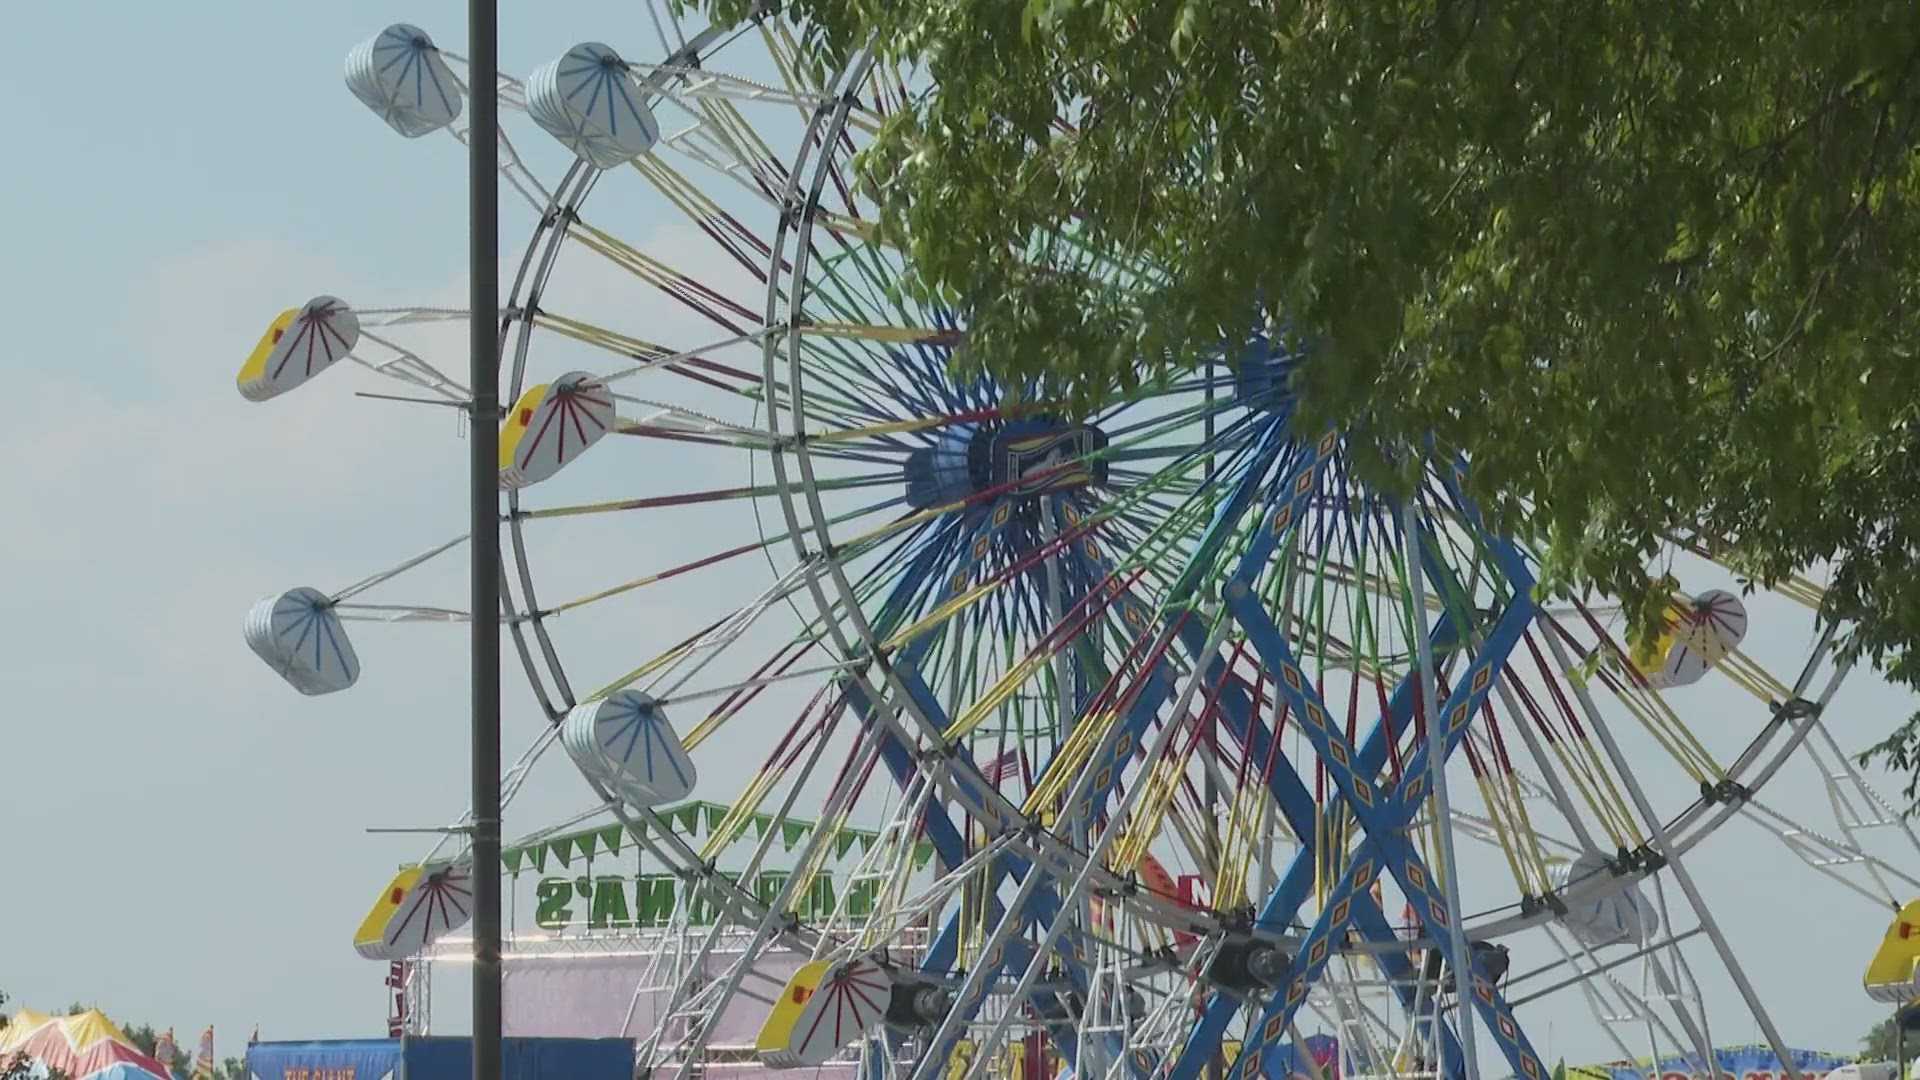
pixel 1020 459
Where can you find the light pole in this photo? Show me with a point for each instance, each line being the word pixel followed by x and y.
pixel 483 272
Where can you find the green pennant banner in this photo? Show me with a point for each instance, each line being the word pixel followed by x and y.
pixel 688 818
pixel 691 819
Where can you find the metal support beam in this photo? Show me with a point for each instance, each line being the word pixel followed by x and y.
pixel 1442 806
pixel 483 274
pixel 1664 843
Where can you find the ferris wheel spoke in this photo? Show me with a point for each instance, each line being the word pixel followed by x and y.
pixel 734 318
pixel 721 142
pixel 744 246
pixel 691 364
pixel 694 498
pixel 674 571
pixel 859 386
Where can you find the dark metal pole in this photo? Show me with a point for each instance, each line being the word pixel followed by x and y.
pixel 483 233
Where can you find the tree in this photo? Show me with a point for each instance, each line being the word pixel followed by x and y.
pixel 1650 267
pixel 1879 1043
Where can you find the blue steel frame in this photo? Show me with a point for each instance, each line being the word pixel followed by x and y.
pixel 1383 814
pixel 947 840
pixel 1156 689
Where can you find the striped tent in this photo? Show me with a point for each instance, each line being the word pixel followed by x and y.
pixel 85 1046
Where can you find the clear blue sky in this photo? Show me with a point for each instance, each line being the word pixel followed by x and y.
pixel 185 835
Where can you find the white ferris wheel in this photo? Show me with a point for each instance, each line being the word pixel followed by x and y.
pixel 957 735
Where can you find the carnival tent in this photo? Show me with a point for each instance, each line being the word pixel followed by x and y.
pixel 85 1046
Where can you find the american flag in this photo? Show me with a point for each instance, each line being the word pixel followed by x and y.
pixel 997 770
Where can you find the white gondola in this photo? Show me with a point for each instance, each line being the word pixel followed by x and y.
pixel 839 1005
pixel 420 906
pixel 551 425
pixel 298 345
pixel 1706 631
pixel 624 741
pixel 400 74
pixel 300 637
pixel 1615 912
pixel 588 100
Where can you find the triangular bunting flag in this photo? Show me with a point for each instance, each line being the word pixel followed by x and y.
pixel 512 858
pixel 760 824
pixel 792 833
pixel 715 815
pixel 611 839
pixel 922 854
pixel 562 851
pixel 843 842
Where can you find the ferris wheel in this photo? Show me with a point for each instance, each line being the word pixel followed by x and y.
pixel 1164 738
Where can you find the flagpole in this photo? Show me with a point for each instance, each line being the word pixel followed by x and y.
pixel 484 280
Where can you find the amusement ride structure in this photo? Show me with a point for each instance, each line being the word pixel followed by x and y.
pixel 991 740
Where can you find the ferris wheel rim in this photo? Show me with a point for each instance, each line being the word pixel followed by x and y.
pixel 539 258
pixel 548 240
